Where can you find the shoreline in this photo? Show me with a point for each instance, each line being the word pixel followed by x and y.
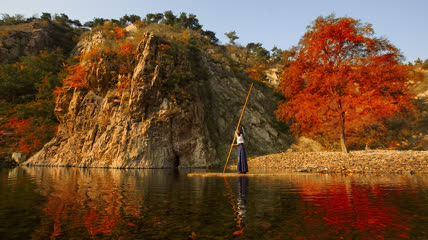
pixel 364 161
pixel 370 161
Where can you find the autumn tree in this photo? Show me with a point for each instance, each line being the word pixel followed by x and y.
pixel 342 75
pixel 153 18
pixel 277 53
pixel 169 18
pixel 6 19
pixel 210 35
pixel 232 37
pixel 95 22
pixel 46 17
pixel 189 22
pixel 126 20
pixel 425 64
pixel 261 54
pixel 418 61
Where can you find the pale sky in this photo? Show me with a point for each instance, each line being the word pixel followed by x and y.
pixel 270 22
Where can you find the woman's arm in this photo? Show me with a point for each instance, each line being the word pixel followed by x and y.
pixel 236 135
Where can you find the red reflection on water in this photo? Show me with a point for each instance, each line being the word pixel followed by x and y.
pixel 95 223
pixel 351 210
pixel 79 203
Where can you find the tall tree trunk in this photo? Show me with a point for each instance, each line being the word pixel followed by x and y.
pixel 342 133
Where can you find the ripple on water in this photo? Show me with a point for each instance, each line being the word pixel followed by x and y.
pixel 105 203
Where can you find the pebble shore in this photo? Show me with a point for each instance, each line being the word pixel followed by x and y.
pixel 372 161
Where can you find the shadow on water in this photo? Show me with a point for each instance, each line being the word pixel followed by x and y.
pixel 71 203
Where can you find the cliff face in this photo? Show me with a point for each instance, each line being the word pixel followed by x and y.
pixel 17 40
pixel 30 38
pixel 146 126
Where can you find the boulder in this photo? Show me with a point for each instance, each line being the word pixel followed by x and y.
pixel 23 39
pixel 18 157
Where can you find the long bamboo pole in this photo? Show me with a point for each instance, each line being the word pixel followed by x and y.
pixel 234 135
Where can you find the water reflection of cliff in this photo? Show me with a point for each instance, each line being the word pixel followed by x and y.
pixel 84 202
pixel 126 204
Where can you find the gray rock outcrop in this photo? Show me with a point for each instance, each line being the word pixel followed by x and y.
pixel 26 38
pixel 18 157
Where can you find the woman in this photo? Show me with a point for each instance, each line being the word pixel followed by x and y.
pixel 242 157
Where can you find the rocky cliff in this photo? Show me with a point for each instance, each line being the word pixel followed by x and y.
pixel 17 40
pixel 30 38
pixel 150 124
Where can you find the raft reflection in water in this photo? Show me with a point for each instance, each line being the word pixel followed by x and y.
pixel 242 200
pixel 238 203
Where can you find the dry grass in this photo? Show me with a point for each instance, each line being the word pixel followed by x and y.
pixel 23 27
pixel 421 88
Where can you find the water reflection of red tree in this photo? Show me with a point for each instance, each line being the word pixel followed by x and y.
pixel 352 211
pixel 78 208
pixel 96 224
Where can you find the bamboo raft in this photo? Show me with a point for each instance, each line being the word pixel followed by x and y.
pixel 219 174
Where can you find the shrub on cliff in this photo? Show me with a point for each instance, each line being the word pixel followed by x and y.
pixel 425 64
pixel 18 81
pixel 181 38
pixel 7 19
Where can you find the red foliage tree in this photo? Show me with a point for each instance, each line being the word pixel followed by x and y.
pixel 342 74
pixel 126 49
pixel 93 53
pixel 76 77
pixel 26 135
pixel 164 47
pixel 257 71
pixel 20 126
pixel 119 32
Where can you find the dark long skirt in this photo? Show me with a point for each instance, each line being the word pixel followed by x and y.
pixel 242 159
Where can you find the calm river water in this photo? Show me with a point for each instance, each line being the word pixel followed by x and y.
pixel 71 203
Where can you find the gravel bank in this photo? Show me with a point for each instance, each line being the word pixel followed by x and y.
pixel 373 161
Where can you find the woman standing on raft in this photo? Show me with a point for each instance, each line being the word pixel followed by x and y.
pixel 242 166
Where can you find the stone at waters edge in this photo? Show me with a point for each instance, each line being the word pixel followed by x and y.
pixel 18 157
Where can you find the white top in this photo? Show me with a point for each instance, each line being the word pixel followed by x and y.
pixel 240 138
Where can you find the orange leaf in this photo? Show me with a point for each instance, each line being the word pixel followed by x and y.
pixel 238 232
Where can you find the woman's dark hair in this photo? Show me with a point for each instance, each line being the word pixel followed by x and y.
pixel 239 131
